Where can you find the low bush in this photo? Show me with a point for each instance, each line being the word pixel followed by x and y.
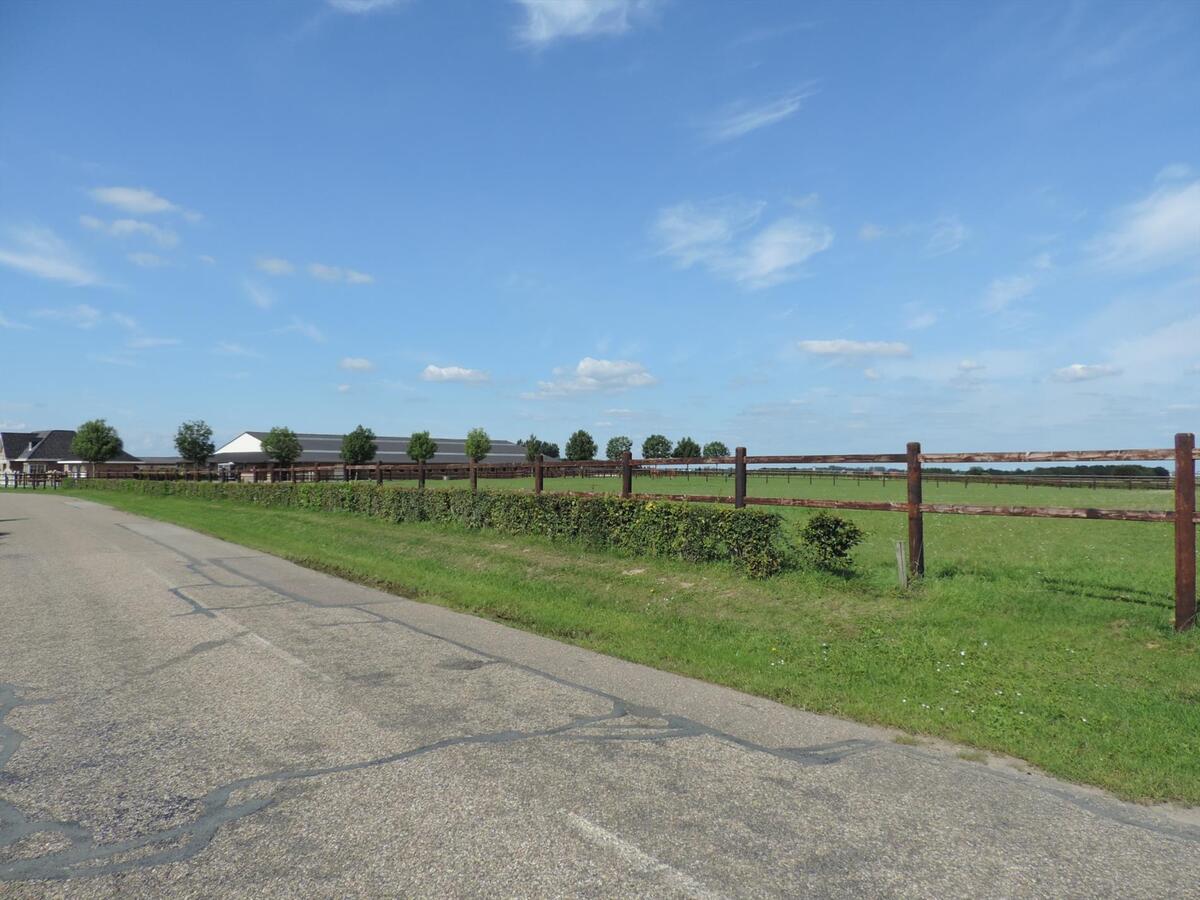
pixel 829 540
pixel 752 540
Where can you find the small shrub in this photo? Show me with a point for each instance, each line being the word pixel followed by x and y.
pixel 829 540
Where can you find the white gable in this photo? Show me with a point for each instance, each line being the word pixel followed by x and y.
pixel 243 443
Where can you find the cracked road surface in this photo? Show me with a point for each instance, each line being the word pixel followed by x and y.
pixel 180 716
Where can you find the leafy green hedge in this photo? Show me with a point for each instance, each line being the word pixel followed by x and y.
pixel 751 539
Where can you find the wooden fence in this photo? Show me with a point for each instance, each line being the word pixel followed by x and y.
pixel 1183 517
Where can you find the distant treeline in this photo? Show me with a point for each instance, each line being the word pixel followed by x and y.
pixel 1125 470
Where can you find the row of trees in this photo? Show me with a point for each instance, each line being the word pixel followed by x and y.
pixel 97 442
pixel 582 446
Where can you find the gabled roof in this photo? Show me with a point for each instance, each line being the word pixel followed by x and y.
pixel 53 445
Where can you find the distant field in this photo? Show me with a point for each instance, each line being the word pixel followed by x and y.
pixel 1050 640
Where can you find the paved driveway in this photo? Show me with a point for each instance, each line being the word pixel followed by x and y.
pixel 183 716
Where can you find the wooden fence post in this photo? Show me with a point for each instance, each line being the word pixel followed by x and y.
pixel 916 525
pixel 739 478
pixel 626 474
pixel 537 474
pixel 474 476
pixel 1185 532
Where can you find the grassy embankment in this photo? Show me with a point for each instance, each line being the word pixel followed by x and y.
pixel 1048 640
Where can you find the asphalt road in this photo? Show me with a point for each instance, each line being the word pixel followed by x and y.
pixel 181 716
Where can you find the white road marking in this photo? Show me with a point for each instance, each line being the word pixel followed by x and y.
pixel 638 859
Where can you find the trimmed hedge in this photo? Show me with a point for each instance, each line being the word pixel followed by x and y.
pixel 752 540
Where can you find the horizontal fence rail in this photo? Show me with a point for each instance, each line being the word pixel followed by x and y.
pixel 1183 485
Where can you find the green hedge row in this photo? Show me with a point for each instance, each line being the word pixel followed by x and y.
pixel 752 540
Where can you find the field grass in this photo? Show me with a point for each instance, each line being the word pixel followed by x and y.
pixel 1048 640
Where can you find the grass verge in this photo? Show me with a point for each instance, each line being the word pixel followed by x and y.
pixel 1053 658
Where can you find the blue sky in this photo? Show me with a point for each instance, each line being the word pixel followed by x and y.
pixel 793 226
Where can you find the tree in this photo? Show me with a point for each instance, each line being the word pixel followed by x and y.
pixel 617 447
pixel 550 451
pixel 478 445
pixel 686 449
pixel 533 446
pixel 421 447
pixel 193 440
pixel 657 446
pixel 715 448
pixel 282 445
pixel 581 446
pixel 96 441
pixel 359 446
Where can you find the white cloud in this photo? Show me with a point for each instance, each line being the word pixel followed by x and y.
pixel 356 364
pixel 1003 292
pixel 1174 172
pixel 1081 372
pixel 721 238
pixel 9 323
pixel 258 295
pixel 40 252
pixel 919 317
pixel 361 7
pixel 78 316
pixel 343 388
pixel 273 265
pixel 207 260
pixel 146 260
pixel 454 373
pixel 550 20
pixel 846 348
pixel 591 375
pixel 139 201
pixel 336 273
pixel 147 342
pixel 1162 229
pixel 307 329
pixel 122 228
pixel 871 374
pixel 871 232
pixel 949 233
pixel 229 348
pixel 740 119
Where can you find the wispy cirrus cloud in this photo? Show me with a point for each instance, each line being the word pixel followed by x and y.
pixel 274 265
pixel 322 272
pixel 363 7
pixel 146 260
pixel 594 375
pixel 547 21
pixel 6 322
pixel 81 315
pixel 124 228
pixel 304 329
pixel 454 373
pixel 948 233
pixel 232 348
pixel 356 364
pixel 139 201
pixel 743 117
pixel 40 252
pixel 1004 292
pixel 726 239
pixel 258 295
pixel 1161 229
pixel 843 347
pixel 1082 372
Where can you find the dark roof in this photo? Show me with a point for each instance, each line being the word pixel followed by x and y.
pixel 328 448
pixel 16 442
pixel 52 445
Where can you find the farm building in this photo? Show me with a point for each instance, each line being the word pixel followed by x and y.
pixel 246 450
pixel 38 452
